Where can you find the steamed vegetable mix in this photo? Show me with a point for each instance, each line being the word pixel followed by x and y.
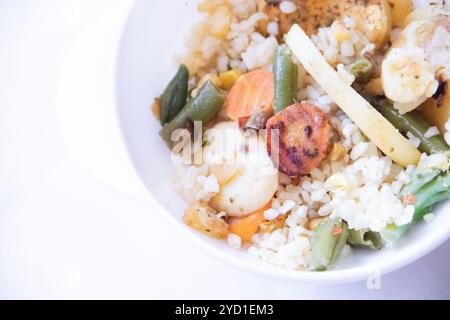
pixel 362 69
pixel 327 243
pixel 203 107
pixel 285 73
pixel 315 135
pixel 375 127
pixel 364 238
pixel 430 183
pixel 175 95
pixel 413 122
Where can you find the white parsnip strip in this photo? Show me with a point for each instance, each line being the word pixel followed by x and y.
pixel 379 130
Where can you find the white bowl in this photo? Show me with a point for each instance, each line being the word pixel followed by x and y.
pixel 107 86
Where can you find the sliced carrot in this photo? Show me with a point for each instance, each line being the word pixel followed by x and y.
pixel 248 226
pixel 252 90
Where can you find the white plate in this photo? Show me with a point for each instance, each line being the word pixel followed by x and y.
pixel 107 86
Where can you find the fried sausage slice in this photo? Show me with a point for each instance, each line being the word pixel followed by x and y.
pixel 299 138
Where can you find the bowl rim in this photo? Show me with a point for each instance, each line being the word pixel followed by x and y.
pixel 332 277
pixel 409 254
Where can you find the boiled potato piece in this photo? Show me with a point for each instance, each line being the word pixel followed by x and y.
pixel 437 110
pixel 206 221
pixel 399 10
pixel 373 16
pixel 372 123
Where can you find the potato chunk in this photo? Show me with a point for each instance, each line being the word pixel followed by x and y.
pixel 206 221
pixel 400 9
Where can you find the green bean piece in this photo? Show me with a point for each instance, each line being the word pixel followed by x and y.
pixel 413 122
pixel 364 238
pixel 327 243
pixel 203 107
pixel 285 78
pixel 392 233
pixel 363 70
pixel 174 97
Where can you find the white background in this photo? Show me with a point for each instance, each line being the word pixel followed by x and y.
pixel 62 235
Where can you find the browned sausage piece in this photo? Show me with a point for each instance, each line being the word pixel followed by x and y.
pixel 302 140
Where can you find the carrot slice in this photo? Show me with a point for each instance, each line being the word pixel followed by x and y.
pixel 242 122
pixel 248 226
pixel 252 90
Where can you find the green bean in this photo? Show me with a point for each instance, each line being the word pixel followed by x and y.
pixel 363 70
pixel 327 243
pixel 364 238
pixel 413 122
pixel 203 107
pixel 174 97
pixel 286 78
pixel 392 233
